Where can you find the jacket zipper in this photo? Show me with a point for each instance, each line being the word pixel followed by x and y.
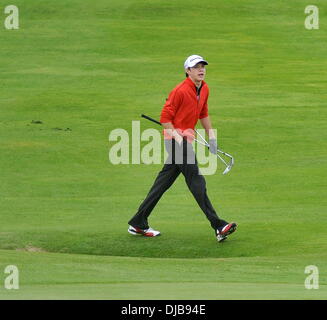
pixel 198 100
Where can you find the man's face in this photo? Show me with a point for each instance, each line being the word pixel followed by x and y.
pixel 198 72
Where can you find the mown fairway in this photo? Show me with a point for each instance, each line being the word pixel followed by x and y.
pixel 76 70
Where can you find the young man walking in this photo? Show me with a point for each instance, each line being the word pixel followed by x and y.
pixel 187 103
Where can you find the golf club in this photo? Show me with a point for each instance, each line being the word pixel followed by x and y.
pixel 205 143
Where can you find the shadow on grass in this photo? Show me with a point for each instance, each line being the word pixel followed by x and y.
pixel 170 244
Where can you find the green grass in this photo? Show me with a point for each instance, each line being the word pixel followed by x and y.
pixel 93 67
pixel 66 276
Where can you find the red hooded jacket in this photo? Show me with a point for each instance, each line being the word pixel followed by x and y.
pixel 184 107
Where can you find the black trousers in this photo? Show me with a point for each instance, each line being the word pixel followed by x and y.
pixel 181 159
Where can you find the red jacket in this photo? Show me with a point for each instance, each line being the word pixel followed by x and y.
pixel 183 107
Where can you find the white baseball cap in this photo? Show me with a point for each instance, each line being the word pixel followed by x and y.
pixel 191 61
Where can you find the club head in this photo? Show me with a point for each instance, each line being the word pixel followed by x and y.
pixel 227 169
pixel 228 166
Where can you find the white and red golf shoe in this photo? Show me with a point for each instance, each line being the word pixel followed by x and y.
pixel 143 232
pixel 222 233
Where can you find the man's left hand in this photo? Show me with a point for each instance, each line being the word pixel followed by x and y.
pixel 213 146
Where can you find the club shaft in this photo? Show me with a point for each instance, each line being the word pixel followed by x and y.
pixel 151 119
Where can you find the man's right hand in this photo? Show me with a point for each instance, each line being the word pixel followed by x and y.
pixel 171 131
pixel 179 139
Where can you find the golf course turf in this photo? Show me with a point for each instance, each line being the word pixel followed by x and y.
pixel 74 71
